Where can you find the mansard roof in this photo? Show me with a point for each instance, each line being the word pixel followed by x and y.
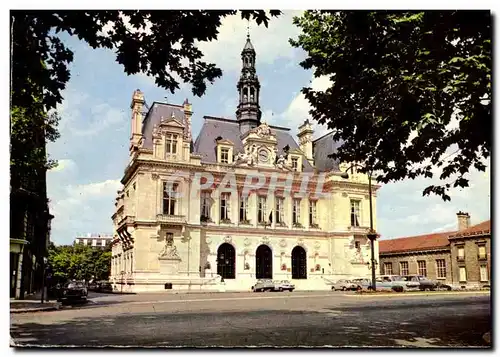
pixel 155 114
pixel 229 129
pixel 322 147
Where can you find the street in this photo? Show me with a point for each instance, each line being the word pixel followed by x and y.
pixel 262 320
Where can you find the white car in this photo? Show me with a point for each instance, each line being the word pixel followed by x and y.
pixel 344 284
pixel 283 285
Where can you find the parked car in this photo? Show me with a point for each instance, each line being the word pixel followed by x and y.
pixel 344 284
pixel 105 287
pixel 73 291
pixel 361 283
pixel 283 285
pixel 263 285
pixel 424 282
pixel 394 283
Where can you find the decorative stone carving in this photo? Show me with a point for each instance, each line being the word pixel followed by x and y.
pixel 265 240
pixel 169 251
pixel 283 243
pixel 300 241
pixel 208 240
pixel 263 130
pixel 344 194
pixel 273 155
pixel 282 164
pixel 155 176
pixel 317 244
pixel 367 197
pixel 247 242
pixel 228 239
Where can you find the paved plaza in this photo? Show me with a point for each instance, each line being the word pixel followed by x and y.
pixel 261 319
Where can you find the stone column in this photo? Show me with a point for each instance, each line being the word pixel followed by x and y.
pixel 19 274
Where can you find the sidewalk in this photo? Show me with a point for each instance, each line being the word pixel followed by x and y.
pixel 32 303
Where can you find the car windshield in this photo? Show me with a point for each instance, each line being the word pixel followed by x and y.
pixel 74 285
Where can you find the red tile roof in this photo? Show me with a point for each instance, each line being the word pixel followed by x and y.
pixel 415 243
pixel 482 228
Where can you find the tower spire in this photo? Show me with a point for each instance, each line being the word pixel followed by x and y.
pixel 248 113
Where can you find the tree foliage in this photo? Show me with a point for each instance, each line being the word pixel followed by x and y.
pixel 157 43
pixel 398 80
pixel 79 262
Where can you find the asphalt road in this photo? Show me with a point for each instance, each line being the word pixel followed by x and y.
pixel 319 319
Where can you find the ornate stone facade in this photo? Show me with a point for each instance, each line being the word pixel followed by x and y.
pixel 191 235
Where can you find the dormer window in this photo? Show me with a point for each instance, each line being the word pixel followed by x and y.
pixel 224 151
pixel 224 155
pixel 171 144
pixel 295 163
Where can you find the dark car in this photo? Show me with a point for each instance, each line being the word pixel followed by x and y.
pixel 424 282
pixel 73 291
pixel 105 287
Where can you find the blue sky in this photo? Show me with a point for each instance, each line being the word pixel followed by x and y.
pixel 95 130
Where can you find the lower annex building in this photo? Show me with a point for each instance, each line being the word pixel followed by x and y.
pixel 460 258
pixel 190 234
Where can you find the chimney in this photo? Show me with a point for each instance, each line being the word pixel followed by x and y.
pixel 188 112
pixel 137 106
pixel 463 219
pixel 305 140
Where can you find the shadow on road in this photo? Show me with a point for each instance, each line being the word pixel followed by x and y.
pixel 331 327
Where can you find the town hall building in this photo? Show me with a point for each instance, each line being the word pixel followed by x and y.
pixel 192 234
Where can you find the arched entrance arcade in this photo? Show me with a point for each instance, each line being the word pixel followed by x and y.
pixel 264 262
pixel 226 261
pixel 299 263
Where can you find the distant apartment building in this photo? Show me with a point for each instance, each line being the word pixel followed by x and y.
pixel 94 240
pixel 461 257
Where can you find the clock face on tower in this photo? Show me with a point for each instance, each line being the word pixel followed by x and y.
pixel 263 155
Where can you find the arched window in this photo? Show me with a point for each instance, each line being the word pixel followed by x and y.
pixel 264 262
pixel 226 261
pixel 299 263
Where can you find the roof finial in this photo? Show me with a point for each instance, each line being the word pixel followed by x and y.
pixel 248 29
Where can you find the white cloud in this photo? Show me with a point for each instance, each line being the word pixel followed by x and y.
pixel 82 208
pixel 270 43
pixel 66 165
pixel 298 109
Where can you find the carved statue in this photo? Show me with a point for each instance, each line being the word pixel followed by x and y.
pixel 254 154
pixel 245 98
pixel 281 162
pixel 272 156
pixel 169 251
pixel 263 130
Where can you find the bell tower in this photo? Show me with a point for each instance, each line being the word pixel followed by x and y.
pixel 248 113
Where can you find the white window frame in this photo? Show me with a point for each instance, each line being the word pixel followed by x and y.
pixel 171 143
pixel 261 209
pixel 243 211
pixel 388 268
pixel 404 268
pixel 482 247
pixel 422 267
pixel 461 249
pixel 279 210
pixel 224 155
pixel 462 278
pixel 483 273
pixel 206 204
pixel 441 268
pixel 296 210
pixel 313 212
pixel 355 212
pixel 169 210
pixel 225 206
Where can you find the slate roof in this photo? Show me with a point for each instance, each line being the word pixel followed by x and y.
pixel 322 147
pixel 483 228
pixel 415 243
pixel 154 115
pixel 229 129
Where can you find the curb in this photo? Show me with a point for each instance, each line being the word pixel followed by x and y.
pixel 421 294
pixel 34 309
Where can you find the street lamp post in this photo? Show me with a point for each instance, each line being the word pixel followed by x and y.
pixel 372 234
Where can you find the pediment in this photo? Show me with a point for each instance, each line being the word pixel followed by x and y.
pixel 296 152
pixel 225 142
pixel 172 122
